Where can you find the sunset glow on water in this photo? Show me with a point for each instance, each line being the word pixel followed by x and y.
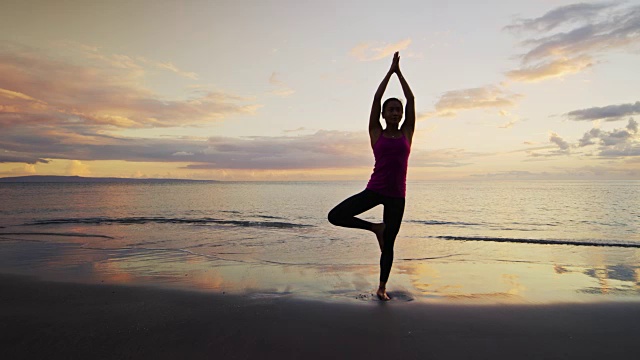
pixel 516 242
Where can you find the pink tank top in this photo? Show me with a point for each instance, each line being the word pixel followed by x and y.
pixel 389 176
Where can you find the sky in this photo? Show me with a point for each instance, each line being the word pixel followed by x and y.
pixel 281 90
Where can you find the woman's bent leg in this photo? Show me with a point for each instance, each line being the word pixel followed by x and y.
pixel 393 212
pixel 344 214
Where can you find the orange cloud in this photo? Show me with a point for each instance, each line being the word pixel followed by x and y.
pixel 565 39
pixel 78 168
pixel 451 102
pixel 138 63
pixel 551 69
pixel 37 88
pixel 372 51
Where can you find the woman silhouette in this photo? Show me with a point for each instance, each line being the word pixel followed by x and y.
pixel 387 185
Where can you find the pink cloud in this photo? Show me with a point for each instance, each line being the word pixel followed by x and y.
pixel 36 86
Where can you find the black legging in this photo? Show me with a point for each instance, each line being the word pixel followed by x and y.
pixel 344 215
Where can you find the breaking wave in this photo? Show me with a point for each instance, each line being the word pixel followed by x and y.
pixel 164 220
pixel 438 222
pixel 606 243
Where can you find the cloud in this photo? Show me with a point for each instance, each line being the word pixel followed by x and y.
pixel 22 170
pixel 376 51
pixel 507 174
pixel 556 139
pixel 508 125
pixel 171 67
pixel 322 149
pixel 587 138
pixel 424 115
pixel 560 147
pixel 626 151
pixel 607 113
pixel 513 119
pixel 282 89
pixel 302 128
pixel 582 172
pixel 274 80
pixel 591 30
pixel 606 138
pixel 138 63
pixel 632 126
pixel 76 167
pixel 550 69
pixel 615 143
pixel 552 52
pixel 451 102
pixel 622 142
pixel 608 171
pixel 562 15
pixel 440 158
pixel 13 95
pixel 613 137
pixel 38 88
pixel 29 169
pixel 10 157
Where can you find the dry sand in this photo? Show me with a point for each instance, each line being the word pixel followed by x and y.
pixel 48 320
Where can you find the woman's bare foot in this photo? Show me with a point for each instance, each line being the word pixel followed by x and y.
pixel 382 294
pixel 378 229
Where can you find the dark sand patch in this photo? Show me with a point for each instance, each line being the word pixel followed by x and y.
pixel 52 320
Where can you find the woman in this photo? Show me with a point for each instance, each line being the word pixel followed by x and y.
pixel 387 185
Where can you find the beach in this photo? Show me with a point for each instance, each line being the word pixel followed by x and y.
pixel 55 320
pixel 515 270
pixel 319 180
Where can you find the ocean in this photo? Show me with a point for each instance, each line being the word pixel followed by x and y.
pixel 469 241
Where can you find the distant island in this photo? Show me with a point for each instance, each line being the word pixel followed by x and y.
pixel 81 179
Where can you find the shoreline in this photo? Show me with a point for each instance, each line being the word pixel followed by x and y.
pixel 554 275
pixel 69 320
pixel 551 278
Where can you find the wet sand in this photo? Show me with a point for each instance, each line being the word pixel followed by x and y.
pixel 53 320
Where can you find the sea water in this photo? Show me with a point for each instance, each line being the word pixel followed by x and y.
pixel 505 241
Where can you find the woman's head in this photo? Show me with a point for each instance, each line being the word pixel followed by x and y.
pixel 392 111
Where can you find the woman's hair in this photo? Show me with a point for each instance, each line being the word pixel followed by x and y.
pixel 384 105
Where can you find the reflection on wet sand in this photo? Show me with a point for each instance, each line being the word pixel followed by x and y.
pixel 434 280
pixel 615 279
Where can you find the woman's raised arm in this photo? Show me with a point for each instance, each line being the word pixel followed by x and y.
pixel 410 109
pixel 375 128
